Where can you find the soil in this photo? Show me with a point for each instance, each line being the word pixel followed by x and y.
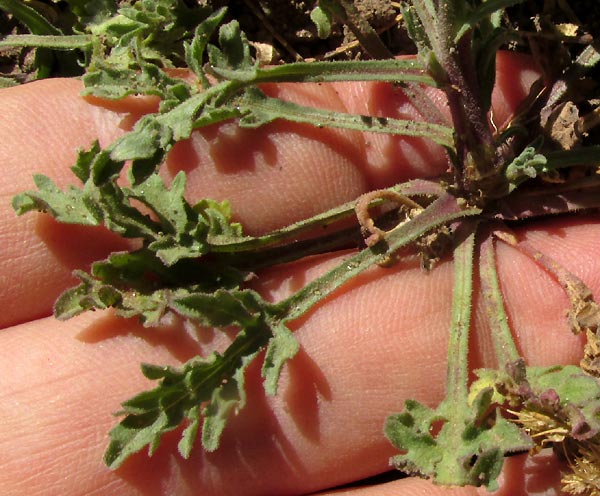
pixel 286 27
pixel 282 30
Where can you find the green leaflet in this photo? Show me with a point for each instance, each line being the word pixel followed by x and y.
pixel 322 20
pixel 138 284
pixel 96 166
pixel 72 206
pixel 229 398
pixel 194 49
pixel 526 166
pixel 282 347
pixel 222 308
pixel 89 295
pixel 232 60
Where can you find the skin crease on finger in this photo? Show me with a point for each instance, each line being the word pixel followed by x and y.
pixel 324 428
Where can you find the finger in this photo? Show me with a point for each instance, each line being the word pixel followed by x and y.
pixel 521 475
pixel 403 487
pixel 379 341
pixel 43 126
pixel 309 170
pixel 514 76
pixel 58 394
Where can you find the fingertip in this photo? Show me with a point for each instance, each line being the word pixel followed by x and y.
pixel 515 74
pixel 393 158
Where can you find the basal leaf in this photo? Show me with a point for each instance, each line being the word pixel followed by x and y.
pixel 473 437
pixel 211 387
pixel 124 282
pixel 410 431
pixel 164 412
pixel 92 293
pixel 217 216
pixel 188 437
pixel 89 295
pixel 258 109
pixel 168 204
pixel 121 217
pixel 147 137
pixel 470 453
pixel 139 284
pixel 153 413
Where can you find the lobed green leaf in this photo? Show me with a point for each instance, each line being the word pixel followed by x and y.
pixel 195 49
pixel 469 451
pixel 208 388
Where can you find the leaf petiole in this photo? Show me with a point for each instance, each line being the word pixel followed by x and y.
pixel 441 211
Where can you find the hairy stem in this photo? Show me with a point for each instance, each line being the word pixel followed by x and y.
pixel 504 344
pixel 458 348
pixel 442 211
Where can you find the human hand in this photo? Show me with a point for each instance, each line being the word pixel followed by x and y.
pixel 378 341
